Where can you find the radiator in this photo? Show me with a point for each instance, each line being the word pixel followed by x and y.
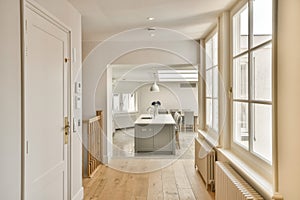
pixel 229 185
pixel 205 161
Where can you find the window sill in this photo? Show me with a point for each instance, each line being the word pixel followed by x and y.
pixel 260 183
pixel 208 137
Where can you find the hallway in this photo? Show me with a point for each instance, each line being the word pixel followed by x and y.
pixel 58 58
pixel 180 180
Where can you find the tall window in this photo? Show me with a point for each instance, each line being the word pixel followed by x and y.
pixel 211 79
pixel 124 103
pixel 252 78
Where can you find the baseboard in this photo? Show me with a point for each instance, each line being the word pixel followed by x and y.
pixel 78 195
pixel 105 160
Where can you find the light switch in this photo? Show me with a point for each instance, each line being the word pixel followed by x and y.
pixel 75 125
pixel 74 55
pixel 77 102
pixel 78 87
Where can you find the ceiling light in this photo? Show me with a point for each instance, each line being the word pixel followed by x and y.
pixel 154 87
pixel 150 18
pixel 151 31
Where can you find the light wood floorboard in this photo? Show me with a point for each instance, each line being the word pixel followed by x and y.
pixel 155 190
pixel 179 181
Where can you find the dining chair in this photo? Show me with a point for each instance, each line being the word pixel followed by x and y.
pixel 188 121
pixel 178 121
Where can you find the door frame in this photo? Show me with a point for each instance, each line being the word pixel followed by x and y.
pixel 39 10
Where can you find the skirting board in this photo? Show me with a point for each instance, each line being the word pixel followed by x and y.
pixel 105 160
pixel 78 195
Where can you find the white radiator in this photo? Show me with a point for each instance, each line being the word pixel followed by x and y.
pixel 205 161
pixel 230 185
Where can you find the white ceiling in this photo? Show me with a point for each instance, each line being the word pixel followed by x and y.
pixel 104 18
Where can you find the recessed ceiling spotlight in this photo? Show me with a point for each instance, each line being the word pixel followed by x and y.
pixel 151 29
pixel 150 18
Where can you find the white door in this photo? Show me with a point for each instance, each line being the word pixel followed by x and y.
pixel 45 106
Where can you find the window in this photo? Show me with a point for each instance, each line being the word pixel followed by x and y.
pixel 252 78
pixel 124 103
pixel 211 79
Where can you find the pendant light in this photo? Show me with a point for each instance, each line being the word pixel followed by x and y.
pixel 154 87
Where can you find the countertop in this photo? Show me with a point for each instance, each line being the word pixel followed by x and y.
pixel 159 119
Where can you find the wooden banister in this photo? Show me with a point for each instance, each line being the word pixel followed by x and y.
pixel 93 143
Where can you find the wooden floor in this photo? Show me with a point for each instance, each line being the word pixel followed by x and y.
pixel 179 180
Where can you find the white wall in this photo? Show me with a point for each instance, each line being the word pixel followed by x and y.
pixel 168 99
pixel 101 104
pixel 87 47
pixel 10 102
pixel 143 56
pixel 171 96
pixel 126 86
pixel 288 98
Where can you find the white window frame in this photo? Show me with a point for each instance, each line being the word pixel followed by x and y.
pixel 240 150
pixel 210 129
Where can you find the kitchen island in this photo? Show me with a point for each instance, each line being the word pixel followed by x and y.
pixel 155 135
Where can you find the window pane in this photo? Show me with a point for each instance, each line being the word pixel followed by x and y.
pixel 208 82
pixel 215 82
pixel 240 77
pixel 240 31
pixel 208 50
pixel 240 124
pixel 116 102
pixel 209 113
pixel 262 130
pixel 131 106
pixel 125 102
pixel 215 49
pixel 262 21
pixel 262 73
pixel 215 115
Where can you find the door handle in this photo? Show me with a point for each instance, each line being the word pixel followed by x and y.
pixel 67 130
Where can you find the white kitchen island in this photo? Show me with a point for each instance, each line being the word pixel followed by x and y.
pixel 155 135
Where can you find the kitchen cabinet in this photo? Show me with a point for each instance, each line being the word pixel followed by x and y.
pixel 155 135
